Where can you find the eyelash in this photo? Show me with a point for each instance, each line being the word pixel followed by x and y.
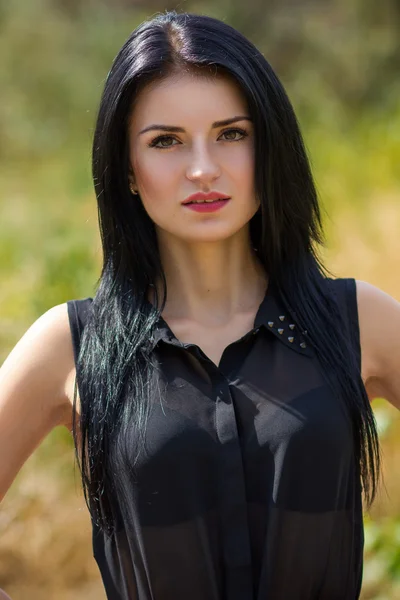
pixel 153 143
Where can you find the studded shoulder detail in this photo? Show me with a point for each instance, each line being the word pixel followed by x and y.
pixel 290 335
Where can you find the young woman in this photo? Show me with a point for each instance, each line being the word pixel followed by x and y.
pixel 218 384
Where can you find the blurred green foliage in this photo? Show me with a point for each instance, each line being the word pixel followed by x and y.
pixel 339 62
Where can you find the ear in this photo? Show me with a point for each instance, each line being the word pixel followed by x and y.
pixel 131 178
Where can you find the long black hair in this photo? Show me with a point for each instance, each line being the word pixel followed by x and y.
pixel 115 360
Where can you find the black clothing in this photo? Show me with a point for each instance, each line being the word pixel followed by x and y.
pixel 250 490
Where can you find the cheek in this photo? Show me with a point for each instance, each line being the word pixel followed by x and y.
pixel 154 174
pixel 158 186
pixel 240 164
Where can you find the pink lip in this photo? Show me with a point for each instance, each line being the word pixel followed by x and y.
pixel 208 206
pixel 204 196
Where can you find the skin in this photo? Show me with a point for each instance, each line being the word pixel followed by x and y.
pixel 212 272
pixel 379 321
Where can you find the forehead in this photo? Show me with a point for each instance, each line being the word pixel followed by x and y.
pixel 187 97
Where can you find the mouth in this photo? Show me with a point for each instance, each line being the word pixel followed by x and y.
pixel 207 201
pixel 205 197
pixel 207 206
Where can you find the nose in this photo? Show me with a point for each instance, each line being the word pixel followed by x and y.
pixel 202 167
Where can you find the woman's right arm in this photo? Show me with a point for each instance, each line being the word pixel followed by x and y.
pixel 32 390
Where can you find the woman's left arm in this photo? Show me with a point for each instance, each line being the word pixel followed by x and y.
pixel 379 320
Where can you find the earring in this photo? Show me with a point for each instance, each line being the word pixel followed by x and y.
pixel 134 192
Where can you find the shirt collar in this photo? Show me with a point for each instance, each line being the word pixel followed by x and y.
pixel 271 315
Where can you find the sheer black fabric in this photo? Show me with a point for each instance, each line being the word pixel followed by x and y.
pixel 249 489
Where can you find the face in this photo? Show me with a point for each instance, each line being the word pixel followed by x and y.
pixel 169 165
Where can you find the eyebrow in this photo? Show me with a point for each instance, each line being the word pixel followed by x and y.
pixel 181 129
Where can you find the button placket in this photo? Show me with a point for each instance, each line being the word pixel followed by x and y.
pixel 232 496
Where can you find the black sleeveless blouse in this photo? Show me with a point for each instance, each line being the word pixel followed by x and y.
pixel 249 489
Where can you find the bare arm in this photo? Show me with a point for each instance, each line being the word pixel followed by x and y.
pixel 32 391
pixel 379 318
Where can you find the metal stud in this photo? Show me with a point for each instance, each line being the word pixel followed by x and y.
pixel 290 339
pixel 271 323
pixel 292 326
pixel 305 332
pixel 282 317
pixel 281 331
pixel 303 345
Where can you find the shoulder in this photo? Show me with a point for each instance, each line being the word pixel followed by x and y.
pixel 33 375
pixel 57 345
pixel 379 323
pixel 49 338
pixel 54 326
pixel 62 324
pixel 55 336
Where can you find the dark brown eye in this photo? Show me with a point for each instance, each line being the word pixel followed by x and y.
pixel 242 132
pixel 161 141
pixel 161 138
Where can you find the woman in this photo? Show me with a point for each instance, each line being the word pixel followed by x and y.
pixel 224 430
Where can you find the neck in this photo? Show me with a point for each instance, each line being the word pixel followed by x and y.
pixel 210 283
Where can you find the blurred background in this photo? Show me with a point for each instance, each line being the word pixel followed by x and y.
pixel 340 63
